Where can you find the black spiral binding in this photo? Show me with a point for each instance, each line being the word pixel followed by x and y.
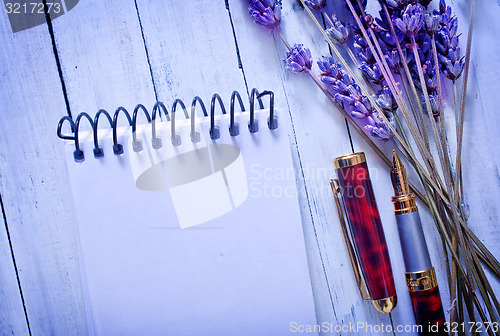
pixel 214 132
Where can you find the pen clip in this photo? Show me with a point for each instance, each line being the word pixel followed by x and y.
pixel 334 183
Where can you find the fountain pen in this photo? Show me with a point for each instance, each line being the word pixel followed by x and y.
pixel 420 275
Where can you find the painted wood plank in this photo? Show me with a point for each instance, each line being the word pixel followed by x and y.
pixel 33 186
pixel 191 50
pixel 103 57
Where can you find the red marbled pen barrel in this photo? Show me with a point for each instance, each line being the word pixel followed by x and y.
pixel 366 230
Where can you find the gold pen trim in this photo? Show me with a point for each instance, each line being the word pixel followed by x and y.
pixel 404 204
pixel 420 281
pixel 349 160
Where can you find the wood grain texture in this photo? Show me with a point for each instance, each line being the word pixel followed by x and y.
pixel 34 186
pixel 12 317
pixel 115 53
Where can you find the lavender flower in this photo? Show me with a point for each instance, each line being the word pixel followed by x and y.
pixel 266 13
pixel 411 21
pixel 452 65
pixel 298 59
pixel 349 95
pixel 379 129
pixel 329 68
pixel 430 77
pixel 363 52
pixel 338 33
pixel 315 4
pixel 444 10
pixel 432 22
pixel 372 72
pixel 385 100
pixel 393 60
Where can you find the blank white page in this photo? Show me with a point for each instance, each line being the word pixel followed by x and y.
pixel 197 239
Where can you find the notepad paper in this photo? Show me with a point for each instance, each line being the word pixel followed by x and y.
pixel 203 238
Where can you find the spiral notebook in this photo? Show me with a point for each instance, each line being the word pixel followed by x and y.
pixel 189 225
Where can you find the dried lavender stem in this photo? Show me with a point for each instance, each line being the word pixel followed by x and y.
pixel 410 100
pixel 438 74
pixel 458 164
pixel 431 117
pixel 408 74
pixel 440 118
pixel 440 106
pixel 349 52
pixel 384 67
pixel 377 108
pixel 458 175
pixel 285 42
pixel 356 63
pixel 330 22
pixel 455 107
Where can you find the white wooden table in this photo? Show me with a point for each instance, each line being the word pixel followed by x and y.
pixel 105 53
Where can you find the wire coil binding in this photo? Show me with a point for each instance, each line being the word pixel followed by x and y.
pixel 158 108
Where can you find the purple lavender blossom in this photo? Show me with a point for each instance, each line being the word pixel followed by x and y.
pixel 430 77
pixel 452 65
pixel 373 72
pixel 349 95
pixel 411 21
pixel 432 22
pixel 298 59
pixel 315 4
pixel 393 60
pixel 363 52
pixel 329 68
pixel 338 33
pixel 385 100
pixel 378 129
pixel 266 13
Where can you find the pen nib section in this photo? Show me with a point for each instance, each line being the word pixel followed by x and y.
pixel 398 176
